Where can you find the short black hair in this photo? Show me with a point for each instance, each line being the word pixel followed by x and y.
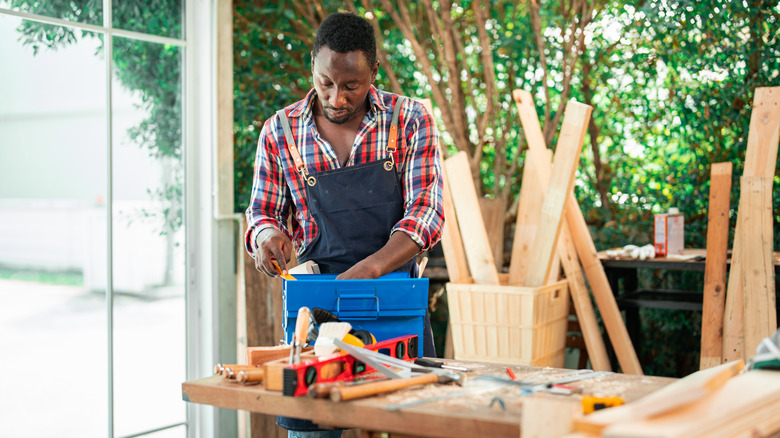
pixel 346 32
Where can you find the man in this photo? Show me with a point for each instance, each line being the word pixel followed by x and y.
pixel 358 169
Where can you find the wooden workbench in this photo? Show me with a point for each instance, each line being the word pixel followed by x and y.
pixel 467 415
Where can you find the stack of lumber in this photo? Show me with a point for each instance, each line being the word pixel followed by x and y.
pixel 550 234
pixel 737 317
pixel 716 402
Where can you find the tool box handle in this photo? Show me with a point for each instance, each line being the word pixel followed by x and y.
pixel 360 311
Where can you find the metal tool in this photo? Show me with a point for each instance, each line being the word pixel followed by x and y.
pixel 407 374
pixel 435 364
pixel 299 337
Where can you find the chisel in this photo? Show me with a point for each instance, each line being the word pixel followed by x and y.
pixel 299 337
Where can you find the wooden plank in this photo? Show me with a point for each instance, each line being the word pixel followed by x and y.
pixel 583 306
pixel 529 212
pixel 451 243
pixel 602 292
pixel 758 275
pixel 565 162
pixel 760 160
pixel 479 255
pixel 540 160
pixel 669 398
pixel 714 297
pixel 746 406
pixel 494 211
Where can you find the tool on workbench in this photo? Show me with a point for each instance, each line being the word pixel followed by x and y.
pixel 250 376
pixel 301 329
pixel 592 403
pixel 330 330
pixel 402 374
pixel 281 273
pixel 297 378
pixel 435 364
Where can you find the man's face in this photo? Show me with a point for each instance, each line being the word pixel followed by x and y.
pixel 342 81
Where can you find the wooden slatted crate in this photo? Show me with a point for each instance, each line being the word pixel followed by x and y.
pixel 509 324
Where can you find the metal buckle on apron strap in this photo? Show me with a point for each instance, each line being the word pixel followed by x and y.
pixel 393 136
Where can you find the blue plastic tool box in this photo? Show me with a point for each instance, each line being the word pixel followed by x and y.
pixel 390 306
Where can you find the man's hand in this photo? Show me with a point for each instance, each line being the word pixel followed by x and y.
pixel 398 250
pixel 364 269
pixel 272 245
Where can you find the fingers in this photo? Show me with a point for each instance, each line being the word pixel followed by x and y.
pixel 272 246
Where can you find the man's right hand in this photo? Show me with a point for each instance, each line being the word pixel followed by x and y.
pixel 272 245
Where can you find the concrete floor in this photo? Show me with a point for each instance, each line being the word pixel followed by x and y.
pixel 54 362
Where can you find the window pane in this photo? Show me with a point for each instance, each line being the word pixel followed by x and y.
pixel 148 251
pixel 156 17
pixel 82 11
pixel 52 235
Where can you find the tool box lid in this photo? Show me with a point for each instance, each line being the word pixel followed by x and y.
pixel 348 298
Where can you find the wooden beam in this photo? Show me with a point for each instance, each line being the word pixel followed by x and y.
pixel 539 157
pixel 758 274
pixel 760 160
pixel 529 211
pixel 475 240
pixel 565 163
pixel 715 267
pixel 494 211
pixel 451 242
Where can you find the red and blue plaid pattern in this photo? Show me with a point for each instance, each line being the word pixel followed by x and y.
pixel 278 188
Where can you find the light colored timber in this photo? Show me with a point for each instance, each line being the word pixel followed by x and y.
pixel 475 240
pixel 565 163
pixel 715 268
pixel 760 160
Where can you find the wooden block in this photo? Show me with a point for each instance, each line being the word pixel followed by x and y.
pixel 548 416
pixel 715 267
pixel 760 160
pixel 451 242
pixel 493 212
pixel 758 274
pixel 475 240
pixel 529 211
pixel 565 162
pixel 259 355
pixel 746 406
pixel 667 399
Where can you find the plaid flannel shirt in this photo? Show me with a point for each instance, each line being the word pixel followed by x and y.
pixel 278 189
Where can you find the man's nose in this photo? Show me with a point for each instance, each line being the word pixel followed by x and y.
pixel 338 99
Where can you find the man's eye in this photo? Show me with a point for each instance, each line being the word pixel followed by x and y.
pixel 352 87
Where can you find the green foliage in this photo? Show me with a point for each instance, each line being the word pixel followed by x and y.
pixel 151 70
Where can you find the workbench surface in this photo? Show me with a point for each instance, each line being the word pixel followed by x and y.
pixel 466 415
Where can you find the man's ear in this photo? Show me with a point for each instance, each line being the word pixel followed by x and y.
pixel 312 61
pixel 374 71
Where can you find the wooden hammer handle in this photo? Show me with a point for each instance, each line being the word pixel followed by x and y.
pixel 344 393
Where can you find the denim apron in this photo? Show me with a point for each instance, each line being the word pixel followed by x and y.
pixel 355 208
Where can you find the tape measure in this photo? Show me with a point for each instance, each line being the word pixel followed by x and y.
pixel 592 403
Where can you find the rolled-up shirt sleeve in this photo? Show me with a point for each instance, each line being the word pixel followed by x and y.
pixel 422 180
pixel 269 205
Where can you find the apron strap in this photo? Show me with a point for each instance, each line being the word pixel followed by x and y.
pixel 296 156
pixel 391 143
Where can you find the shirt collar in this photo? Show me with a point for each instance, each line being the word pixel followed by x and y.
pixel 305 105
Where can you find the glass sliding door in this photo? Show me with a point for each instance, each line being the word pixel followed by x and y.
pixel 148 249
pixel 53 156
pixel 92 248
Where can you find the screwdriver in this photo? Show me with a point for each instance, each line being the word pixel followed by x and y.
pixel 433 364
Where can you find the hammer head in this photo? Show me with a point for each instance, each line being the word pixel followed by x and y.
pixel 448 376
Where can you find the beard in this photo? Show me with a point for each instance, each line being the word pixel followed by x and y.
pixel 340 118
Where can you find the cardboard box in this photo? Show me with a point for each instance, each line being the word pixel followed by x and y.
pixel 669 234
pixel 390 306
